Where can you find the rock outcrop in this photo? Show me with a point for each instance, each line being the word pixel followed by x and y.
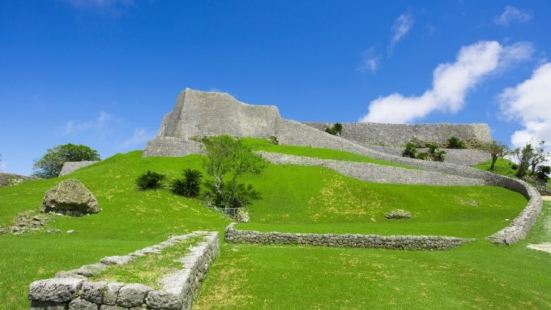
pixel 10 179
pixel 70 197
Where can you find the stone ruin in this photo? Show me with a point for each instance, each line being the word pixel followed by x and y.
pixel 198 114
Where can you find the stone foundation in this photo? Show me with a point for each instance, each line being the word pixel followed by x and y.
pixel 233 235
pixel 74 291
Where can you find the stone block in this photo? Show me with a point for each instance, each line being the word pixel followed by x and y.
pixel 55 290
pixel 132 295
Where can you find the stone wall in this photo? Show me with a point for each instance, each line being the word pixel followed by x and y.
pixel 74 291
pixel 71 166
pixel 344 240
pixel 465 157
pixel 375 173
pixel 400 134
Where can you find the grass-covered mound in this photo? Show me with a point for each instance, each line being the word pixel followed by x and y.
pixel 132 219
pixel 479 275
pixel 259 144
pixel 502 166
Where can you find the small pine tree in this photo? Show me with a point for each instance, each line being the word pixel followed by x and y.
pixel 190 185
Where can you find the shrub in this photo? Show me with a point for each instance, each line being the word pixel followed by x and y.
pixel 435 153
pixel 190 185
pixel 335 130
pixel 543 172
pixel 150 180
pixel 273 140
pixel 410 150
pixel 227 160
pixel 514 166
pixel 455 143
pixel 51 163
pixel 422 156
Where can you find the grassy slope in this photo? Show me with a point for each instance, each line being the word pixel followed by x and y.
pixel 502 166
pixel 478 276
pixel 259 144
pixel 131 220
pixel 312 199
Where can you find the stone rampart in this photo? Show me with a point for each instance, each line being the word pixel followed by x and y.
pixel 71 166
pixel 375 173
pixel 74 291
pixel 400 134
pixel 344 240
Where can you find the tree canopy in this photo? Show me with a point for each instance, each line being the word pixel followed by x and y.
pixel 51 163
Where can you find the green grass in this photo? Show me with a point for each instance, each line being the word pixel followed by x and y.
pixel 502 166
pixel 259 144
pixel 475 276
pixel 149 269
pixel 132 219
pixel 313 199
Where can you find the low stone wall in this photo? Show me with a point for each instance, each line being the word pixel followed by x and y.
pixel 400 134
pixel 71 166
pixel 344 240
pixel 521 225
pixel 73 290
pixel 375 173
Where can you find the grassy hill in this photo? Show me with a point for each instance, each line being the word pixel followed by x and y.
pixel 294 199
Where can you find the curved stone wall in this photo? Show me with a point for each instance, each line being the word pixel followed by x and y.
pixel 344 240
pixel 374 173
pixel 400 134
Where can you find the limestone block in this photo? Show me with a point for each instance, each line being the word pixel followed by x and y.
pixel 132 295
pixel 81 304
pixel 55 290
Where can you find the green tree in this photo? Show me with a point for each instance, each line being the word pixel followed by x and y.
pixel 51 163
pixel 524 157
pixel 496 150
pixel 227 160
pixel 539 156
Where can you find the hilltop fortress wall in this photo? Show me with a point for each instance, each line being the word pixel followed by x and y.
pixel 198 114
pixel 400 134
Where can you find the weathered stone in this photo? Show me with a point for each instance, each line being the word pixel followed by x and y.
pixel 44 305
pixel 398 214
pixel 55 290
pixel 109 307
pixel 93 291
pixel 10 179
pixel 111 293
pixel 132 295
pixel 116 260
pixel 81 304
pixel 164 300
pixel 70 197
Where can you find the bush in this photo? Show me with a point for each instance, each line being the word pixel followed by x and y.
pixel 422 156
pixel 273 140
pixel 435 153
pixel 335 130
pixel 190 185
pixel 150 180
pixel 455 143
pixel 51 163
pixel 410 150
pixel 514 166
pixel 542 173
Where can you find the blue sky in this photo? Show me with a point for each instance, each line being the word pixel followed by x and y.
pixel 104 72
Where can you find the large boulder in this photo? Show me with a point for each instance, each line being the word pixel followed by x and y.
pixel 70 197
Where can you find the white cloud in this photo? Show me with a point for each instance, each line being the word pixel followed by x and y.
pixel 512 14
pixel 451 83
pixel 529 103
pixel 3 166
pixel 139 138
pixel 369 62
pixel 401 27
pixel 100 123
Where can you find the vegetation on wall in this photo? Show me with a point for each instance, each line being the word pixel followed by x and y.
pixel 335 130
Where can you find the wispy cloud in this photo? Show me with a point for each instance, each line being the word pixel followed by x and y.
pixel 451 83
pixel 511 15
pixel 401 27
pixel 110 7
pixel 369 62
pixel 528 103
pixel 138 138
pixel 100 123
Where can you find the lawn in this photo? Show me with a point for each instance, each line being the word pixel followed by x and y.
pixel 479 275
pixel 132 219
pixel 259 144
